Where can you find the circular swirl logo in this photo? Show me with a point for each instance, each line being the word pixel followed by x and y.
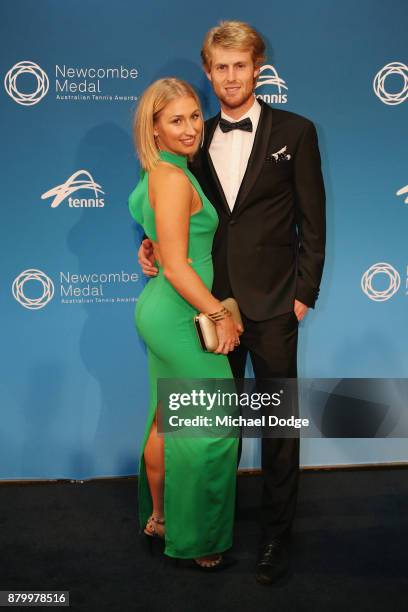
pixel 39 277
pixel 26 99
pixel 393 285
pixel 379 83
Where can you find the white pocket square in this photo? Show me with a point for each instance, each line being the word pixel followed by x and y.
pixel 281 155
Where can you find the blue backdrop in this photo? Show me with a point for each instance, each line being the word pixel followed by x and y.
pixel 73 376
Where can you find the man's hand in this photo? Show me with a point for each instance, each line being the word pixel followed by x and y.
pixel 146 258
pixel 300 310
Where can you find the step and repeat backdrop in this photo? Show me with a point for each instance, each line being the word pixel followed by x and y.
pixel 73 372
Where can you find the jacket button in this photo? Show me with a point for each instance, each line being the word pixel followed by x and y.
pixel 232 222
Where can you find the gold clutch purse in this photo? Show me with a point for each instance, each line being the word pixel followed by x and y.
pixel 206 330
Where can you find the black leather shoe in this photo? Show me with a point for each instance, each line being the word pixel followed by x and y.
pixel 273 562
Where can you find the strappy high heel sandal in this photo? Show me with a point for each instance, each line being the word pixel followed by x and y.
pixel 150 532
pixel 150 529
pixel 220 563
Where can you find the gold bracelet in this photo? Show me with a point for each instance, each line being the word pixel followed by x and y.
pixel 219 315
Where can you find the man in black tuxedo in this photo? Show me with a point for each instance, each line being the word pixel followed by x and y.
pixel 260 167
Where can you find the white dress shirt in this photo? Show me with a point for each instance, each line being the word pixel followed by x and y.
pixel 230 152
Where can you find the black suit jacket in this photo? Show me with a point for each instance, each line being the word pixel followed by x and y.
pixel 270 249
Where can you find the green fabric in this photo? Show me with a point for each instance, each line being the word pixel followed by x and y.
pixel 200 473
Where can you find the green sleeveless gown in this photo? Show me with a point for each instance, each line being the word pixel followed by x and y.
pixel 200 473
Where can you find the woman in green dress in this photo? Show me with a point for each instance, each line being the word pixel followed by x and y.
pixel 186 485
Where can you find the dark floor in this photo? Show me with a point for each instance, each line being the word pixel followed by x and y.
pixel 349 549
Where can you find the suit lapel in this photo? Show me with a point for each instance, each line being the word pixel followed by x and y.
pixel 211 126
pixel 257 156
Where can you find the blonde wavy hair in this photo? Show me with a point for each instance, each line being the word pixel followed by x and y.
pixel 152 102
pixel 233 35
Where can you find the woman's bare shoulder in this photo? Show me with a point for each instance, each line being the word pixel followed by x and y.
pixel 168 177
pixel 164 170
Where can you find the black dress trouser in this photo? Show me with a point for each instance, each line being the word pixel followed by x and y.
pixel 272 347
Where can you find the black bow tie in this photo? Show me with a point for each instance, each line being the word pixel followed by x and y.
pixel 244 124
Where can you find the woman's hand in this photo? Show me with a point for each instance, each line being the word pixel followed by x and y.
pixel 228 335
pixel 146 258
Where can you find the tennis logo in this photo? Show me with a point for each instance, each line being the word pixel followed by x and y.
pixel 269 76
pixel 388 97
pixel 33 277
pixel 22 97
pixel 73 184
pixel 403 191
pixel 391 276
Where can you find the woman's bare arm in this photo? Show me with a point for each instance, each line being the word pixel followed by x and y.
pixel 171 195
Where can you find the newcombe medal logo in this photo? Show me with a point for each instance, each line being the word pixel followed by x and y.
pixel 380 272
pixel 33 289
pixel 36 279
pixel 73 184
pixel 13 83
pixel 381 85
pixel 27 83
pixel 268 76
